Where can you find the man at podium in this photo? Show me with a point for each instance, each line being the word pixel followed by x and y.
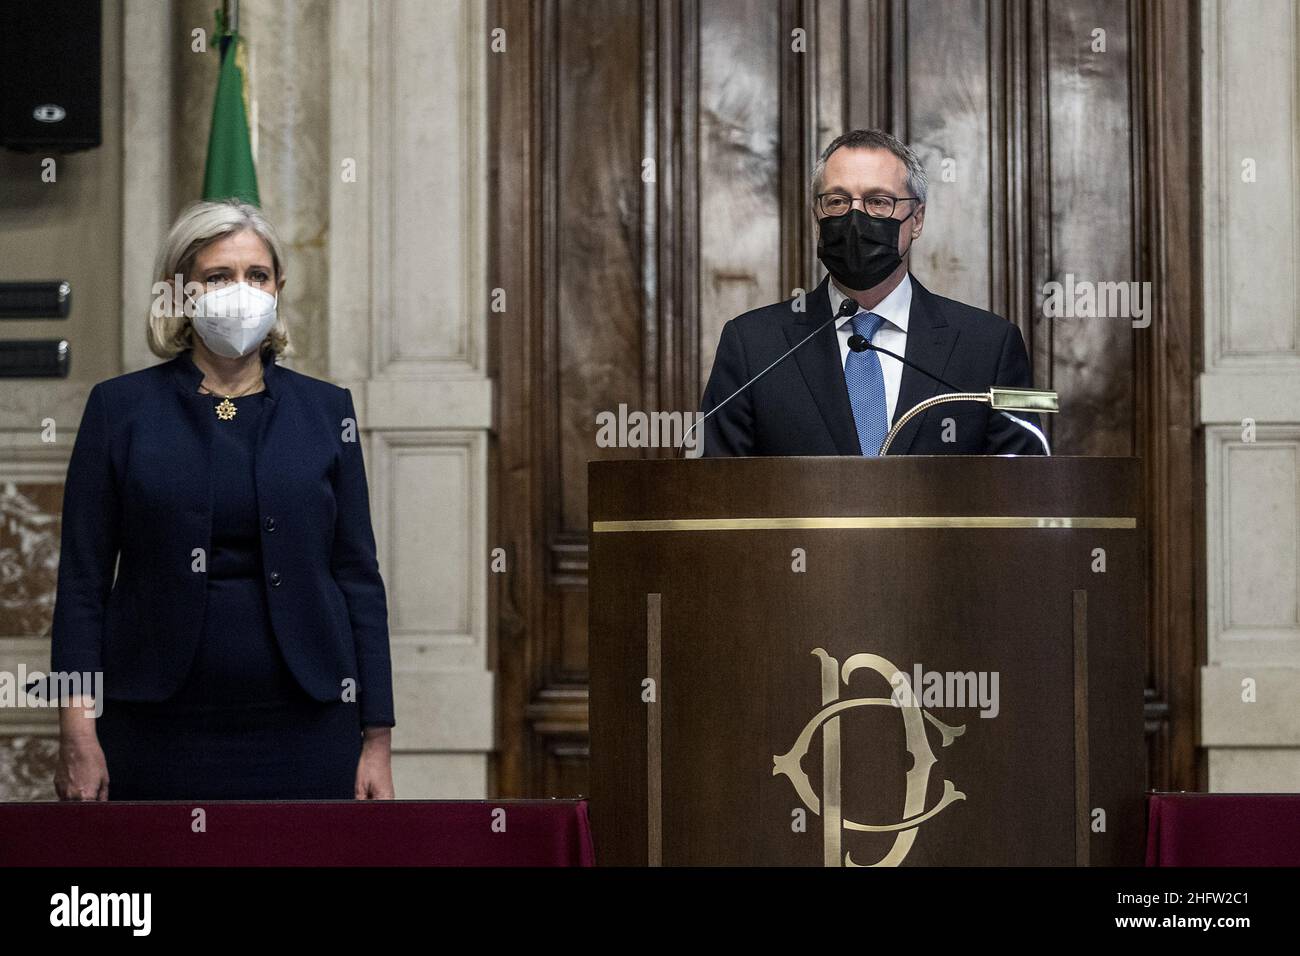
pixel 784 382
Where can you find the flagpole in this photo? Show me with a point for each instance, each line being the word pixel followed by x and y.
pixel 231 169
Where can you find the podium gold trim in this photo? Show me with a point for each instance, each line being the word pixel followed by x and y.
pixel 869 523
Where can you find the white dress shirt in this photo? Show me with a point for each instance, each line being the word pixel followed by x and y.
pixel 894 308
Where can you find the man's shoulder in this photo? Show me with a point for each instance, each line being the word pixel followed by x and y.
pixel 798 307
pixel 961 314
pixel 792 309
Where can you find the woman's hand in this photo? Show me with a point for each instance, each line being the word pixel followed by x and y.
pixel 82 771
pixel 375 768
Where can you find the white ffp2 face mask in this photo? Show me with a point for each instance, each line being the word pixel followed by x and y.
pixel 234 319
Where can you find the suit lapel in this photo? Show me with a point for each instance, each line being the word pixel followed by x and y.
pixel 196 458
pixel 930 341
pixel 823 371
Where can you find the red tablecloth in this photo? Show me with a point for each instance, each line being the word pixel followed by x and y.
pixel 328 833
pixel 1223 829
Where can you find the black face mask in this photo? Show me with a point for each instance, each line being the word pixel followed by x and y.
pixel 859 250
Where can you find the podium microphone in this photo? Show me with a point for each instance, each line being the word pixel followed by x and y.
pixel 858 343
pixel 847 307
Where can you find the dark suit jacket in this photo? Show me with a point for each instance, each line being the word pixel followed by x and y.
pixel 139 483
pixel 801 407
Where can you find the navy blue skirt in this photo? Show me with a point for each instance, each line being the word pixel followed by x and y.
pixel 240 729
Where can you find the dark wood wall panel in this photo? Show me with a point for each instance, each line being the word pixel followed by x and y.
pixel 873 59
pixel 1090 132
pixel 594 322
pixel 594 214
pixel 947 119
pixel 1066 161
pixel 593 314
pixel 739 163
pixel 1168 240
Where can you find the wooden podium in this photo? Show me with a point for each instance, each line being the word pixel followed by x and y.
pixel 750 618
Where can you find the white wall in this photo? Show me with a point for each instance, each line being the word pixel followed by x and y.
pixel 1251 118
pixel 407 333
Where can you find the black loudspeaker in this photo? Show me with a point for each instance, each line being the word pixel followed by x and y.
pixel 35 300
pixel 35 358
pixel 50 74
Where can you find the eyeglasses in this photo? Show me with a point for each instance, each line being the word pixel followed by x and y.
pixel 878 207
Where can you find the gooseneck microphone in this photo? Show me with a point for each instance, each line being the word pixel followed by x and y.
pixel 847 307
pixel 858 343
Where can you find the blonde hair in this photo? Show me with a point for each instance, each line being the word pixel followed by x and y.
pixel 198 226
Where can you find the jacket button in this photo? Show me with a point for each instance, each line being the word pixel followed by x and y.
pixel 270 524
pixel 275 579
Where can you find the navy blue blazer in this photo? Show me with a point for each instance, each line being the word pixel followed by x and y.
pixel 802 406
pixel 139 485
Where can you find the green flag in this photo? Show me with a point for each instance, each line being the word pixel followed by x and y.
pixel 230 170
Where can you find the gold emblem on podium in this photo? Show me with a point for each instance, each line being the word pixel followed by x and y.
pixel 829 806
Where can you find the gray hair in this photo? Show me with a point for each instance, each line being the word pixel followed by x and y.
pixel 198 226
pixel 875 139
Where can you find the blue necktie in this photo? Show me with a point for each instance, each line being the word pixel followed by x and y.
pixel 866 384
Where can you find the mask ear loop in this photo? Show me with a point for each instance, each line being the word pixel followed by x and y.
pixel 900 227
pixel 275 306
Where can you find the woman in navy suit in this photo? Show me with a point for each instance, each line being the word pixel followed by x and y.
pixel 243 640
